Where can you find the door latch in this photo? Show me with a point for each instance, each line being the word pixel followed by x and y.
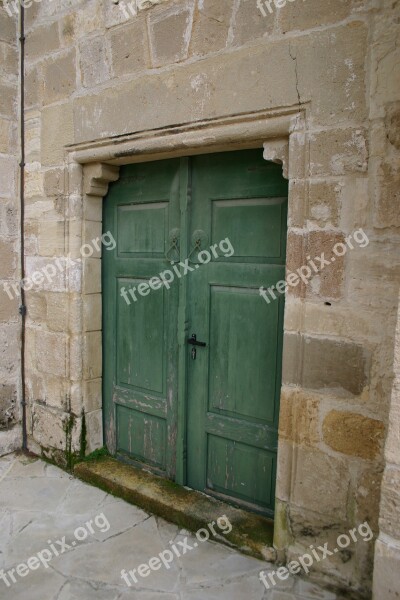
pixel 193 341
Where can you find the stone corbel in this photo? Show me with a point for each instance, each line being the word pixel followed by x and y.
pixel 96 178
pixel 277 151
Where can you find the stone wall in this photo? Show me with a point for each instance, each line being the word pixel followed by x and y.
pixel 94 75
pixel 10 431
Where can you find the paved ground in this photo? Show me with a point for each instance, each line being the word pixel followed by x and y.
pixel 41 504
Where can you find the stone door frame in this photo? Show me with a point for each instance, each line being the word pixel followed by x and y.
pixel 93 166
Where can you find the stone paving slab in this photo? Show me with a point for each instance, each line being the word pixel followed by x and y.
pixel 90 536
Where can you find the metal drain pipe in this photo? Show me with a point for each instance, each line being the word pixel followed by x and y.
pixel 22 308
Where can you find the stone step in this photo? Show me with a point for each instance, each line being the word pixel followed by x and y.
pixel 251 534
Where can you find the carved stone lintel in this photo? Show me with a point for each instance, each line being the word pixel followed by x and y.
pixel 97 176
pixel 277 151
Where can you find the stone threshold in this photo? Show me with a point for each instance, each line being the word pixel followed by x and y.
pixel 251 534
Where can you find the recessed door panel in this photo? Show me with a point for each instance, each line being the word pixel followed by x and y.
pixel 241 471
pixel 142 228
pixel 141 365
pixel 257 217
pixel 243 347
pixel 141 435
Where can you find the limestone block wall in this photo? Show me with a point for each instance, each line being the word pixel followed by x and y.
pixel 10 431
pixel 94 74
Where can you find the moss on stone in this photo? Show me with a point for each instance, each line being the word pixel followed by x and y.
pixel 282 534
pixel 83 440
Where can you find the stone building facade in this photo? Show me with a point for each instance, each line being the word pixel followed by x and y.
pixel 316 85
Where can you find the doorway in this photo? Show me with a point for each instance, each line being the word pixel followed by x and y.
pixel 192 353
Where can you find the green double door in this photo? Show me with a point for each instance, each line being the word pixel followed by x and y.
pixel 192 359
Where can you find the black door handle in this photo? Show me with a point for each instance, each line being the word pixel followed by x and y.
pixel 193 341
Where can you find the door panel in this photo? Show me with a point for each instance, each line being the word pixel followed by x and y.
pixel 246 472
pixel 256 217
pixel 142 229
pixel 142 436
pixel 143 322
pixel 226 400
pixel 239 328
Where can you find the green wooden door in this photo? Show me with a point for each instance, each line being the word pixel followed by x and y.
pixel 203 415
pixel 139 342
pixel 234 383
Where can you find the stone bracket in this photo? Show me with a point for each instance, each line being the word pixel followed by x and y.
pixel 97 176
pixel 277 151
